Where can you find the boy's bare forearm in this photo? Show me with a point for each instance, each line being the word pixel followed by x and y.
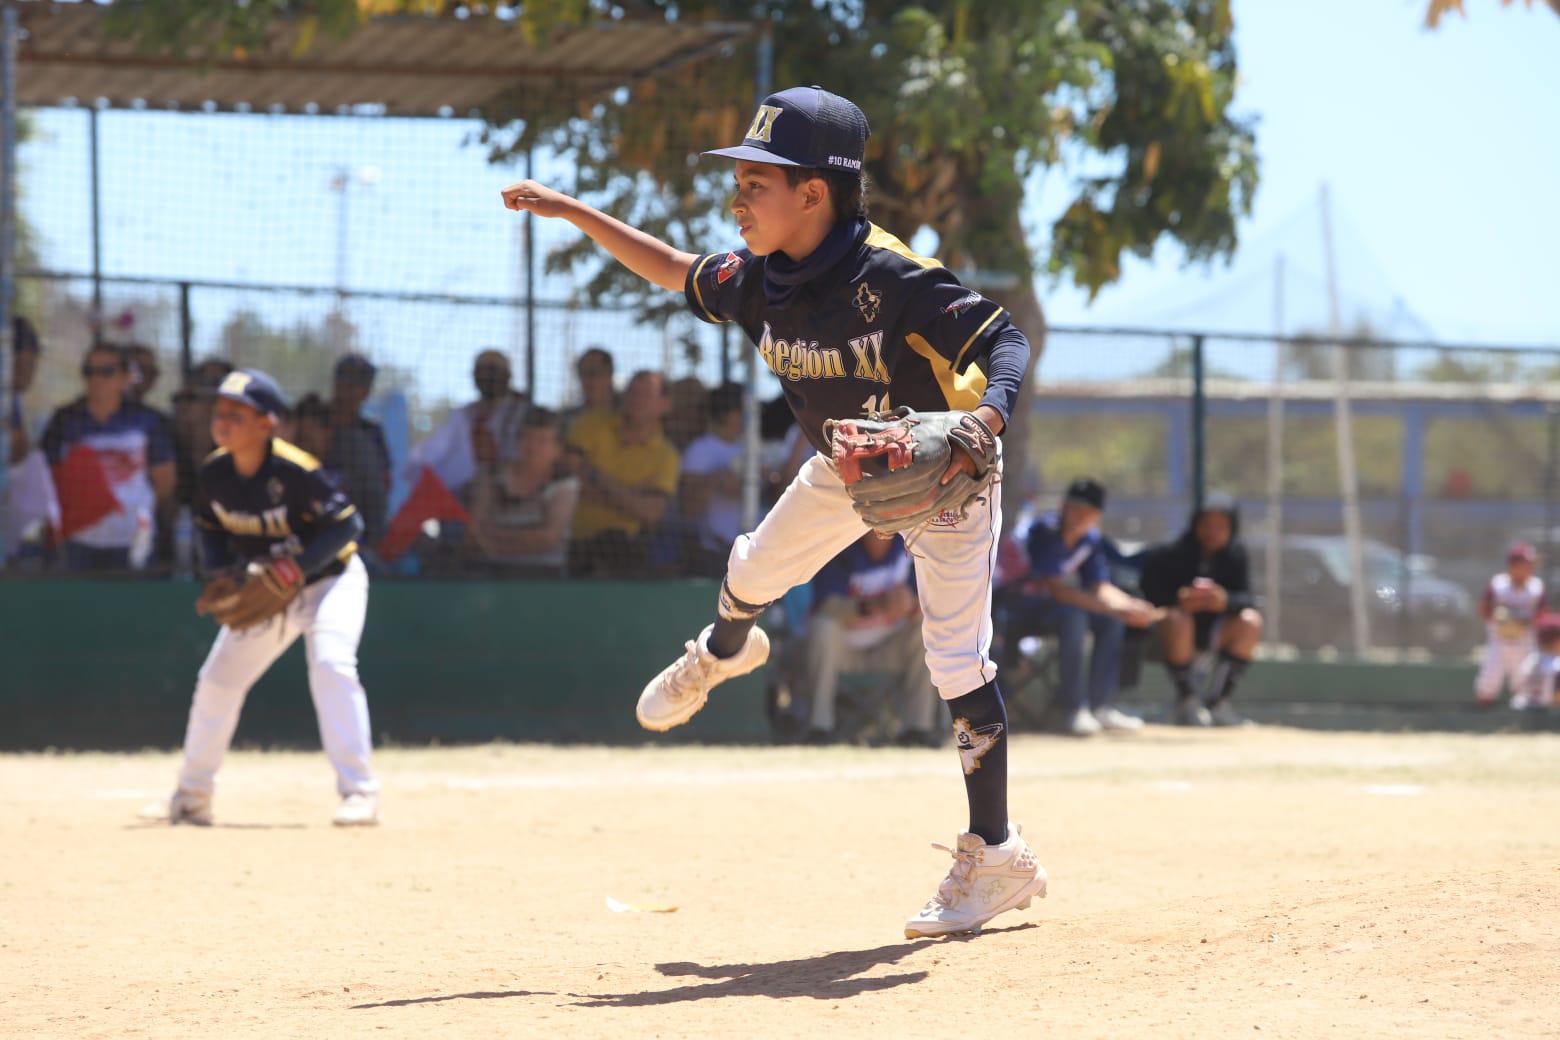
pixel 644 254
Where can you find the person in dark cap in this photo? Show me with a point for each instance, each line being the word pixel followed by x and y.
pixel 1203 582
pixel 357 453
pixel 279 542
pixel 1068 594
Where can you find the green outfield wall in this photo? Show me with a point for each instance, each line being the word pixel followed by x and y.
pixel 111 664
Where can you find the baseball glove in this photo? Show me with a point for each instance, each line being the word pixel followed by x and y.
pixel 252 596
pixel 893 463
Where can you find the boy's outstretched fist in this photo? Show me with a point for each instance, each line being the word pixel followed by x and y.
pixel 533 197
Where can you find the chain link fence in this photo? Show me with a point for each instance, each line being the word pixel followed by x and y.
pixel 290 243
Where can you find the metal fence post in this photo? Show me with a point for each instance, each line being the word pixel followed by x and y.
pixel 762 84
pixel 186 332
pixel 7 241
pixel 1199 427
pixel 1551 480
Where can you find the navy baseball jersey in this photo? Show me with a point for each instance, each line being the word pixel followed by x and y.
pixel 880 328
pixel 280 510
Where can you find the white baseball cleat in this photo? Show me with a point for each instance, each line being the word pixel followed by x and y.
pixel 1082 723
pixel 985 880
pixel 677 694
pixel 357 810
pixel 192 807
pixel 1114 720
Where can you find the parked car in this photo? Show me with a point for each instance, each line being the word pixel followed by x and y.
pixel 1409 604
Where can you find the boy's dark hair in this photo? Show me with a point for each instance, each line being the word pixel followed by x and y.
pixel 847 188
pixel 537 416
pixel 312 407
pixel 727 397
pixel 24 337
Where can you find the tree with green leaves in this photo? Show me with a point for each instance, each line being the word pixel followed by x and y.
pixel 1131 102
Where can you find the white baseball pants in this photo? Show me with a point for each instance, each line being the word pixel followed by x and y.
pixel 1502 665
pixel 329 616
pixel 954 560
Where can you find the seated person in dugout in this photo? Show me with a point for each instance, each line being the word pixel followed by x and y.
pixel 1203 580
pixel 521 515
pixel 1068 594
pixel 865 619
pixel 628 477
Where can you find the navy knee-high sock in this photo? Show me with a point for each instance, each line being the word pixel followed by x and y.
pixel 980 737
pixel 734 619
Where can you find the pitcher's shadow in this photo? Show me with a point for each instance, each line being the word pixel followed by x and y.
pixel 830 976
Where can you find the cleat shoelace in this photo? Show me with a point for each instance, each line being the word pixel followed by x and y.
pixel 957 884
pixel 689 675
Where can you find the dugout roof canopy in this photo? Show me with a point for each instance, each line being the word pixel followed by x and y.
pixel 405 65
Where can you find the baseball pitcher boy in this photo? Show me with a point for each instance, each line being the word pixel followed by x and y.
pixel 280 541
pixel 901 379
pixel 1511 602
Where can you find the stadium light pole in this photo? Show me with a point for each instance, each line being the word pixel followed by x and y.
pixel 341 183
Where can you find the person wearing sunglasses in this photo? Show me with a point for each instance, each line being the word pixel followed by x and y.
pixel 113 463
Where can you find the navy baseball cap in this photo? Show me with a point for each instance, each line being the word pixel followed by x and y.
pixel 1087 491
pixel 256 389
pixel 355 366
pixel 804 126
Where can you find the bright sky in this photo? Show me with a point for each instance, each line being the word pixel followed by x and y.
pixel 1440 150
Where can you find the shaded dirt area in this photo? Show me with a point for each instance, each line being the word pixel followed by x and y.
pixel 1263 882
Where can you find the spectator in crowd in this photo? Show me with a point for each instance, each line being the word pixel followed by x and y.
pixel 1203 581
pixel 343 449
pixel 865 619
pixel 358 455
pixel 598 398
pixel 113 464
pixel 522 515
pixel 479 436
pixel 144 370
pixel 192 405
pixel 710 492
pixel 1067 593
pixel 25 350
pixel 628 472
pixel 688 412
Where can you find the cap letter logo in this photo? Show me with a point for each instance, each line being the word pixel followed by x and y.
pixel 763 123
pixel 235 383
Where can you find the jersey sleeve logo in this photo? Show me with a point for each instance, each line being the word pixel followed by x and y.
pixel 963 304
pixel 728 267
pixel 867 302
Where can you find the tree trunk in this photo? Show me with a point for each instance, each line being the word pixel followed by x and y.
pixel 1027 313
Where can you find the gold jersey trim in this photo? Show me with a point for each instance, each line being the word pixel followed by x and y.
pixel 960 391
pixel 294 454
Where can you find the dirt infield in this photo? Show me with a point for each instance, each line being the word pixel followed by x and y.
pixel 1264 882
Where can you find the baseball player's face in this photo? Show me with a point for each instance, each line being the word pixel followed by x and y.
pixel 770 213
pixel 238 427
pixel 1520 569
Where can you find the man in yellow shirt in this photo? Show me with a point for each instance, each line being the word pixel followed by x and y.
pixel 628 473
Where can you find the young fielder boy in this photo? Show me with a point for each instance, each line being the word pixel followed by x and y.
pixel 1511 602
pixel 852 323
pixel 281 539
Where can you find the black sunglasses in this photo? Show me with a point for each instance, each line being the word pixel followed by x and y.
pixel 100 370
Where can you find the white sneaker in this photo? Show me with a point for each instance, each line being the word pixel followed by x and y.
pixel 1190 712
pixel 1223 714
pixel 1082 724
pixel 357 810
pixel 1520 702
pixel 985 880
pixel 191 807
pixel 1114 720
pixel 677 694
